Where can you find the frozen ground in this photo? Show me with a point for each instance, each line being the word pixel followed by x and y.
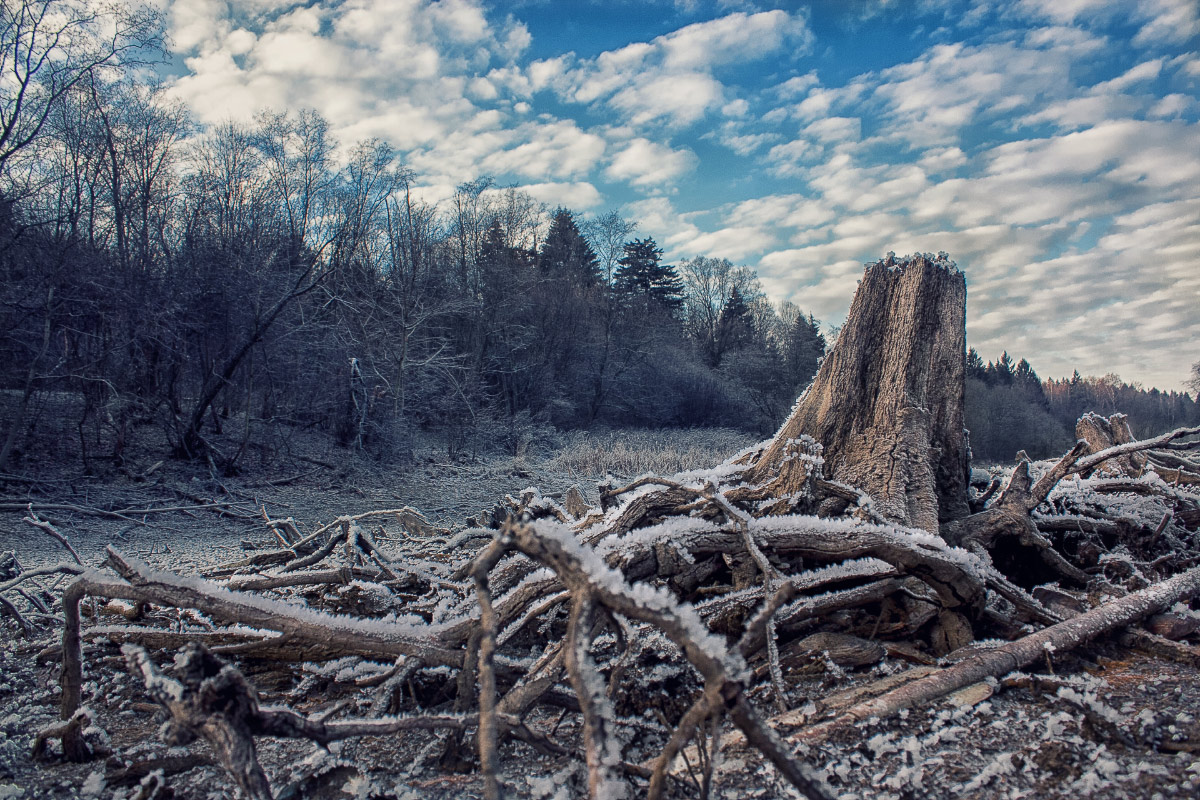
pixel 1108 723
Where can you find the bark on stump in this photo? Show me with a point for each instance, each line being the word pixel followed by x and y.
pixel 887 402
pixel 1101 434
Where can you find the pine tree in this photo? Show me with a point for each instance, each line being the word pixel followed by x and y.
pixel 975 366
pixel 735 330
pixel 804 348
pixel 641 275
pixel 1001 372
pixel 502 265
pixel 567 254
pixel 1028 380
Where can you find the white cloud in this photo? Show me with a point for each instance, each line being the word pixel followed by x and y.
pixel 672 230
pixel 787 160
pixel 547 150
pixel 733 38
pixel 1065 11
pixel 198 22
pixel 240 42
pixel 796 86
pixel 736 108
pixel 459 20
pixel 579 196
pixel 1146 71
pixel 1172 105
pixel 646 163
pixel 736 243
pixel 932 100
pixel 1171 21
pixel 1174 21
pixel 740 140
pixel 676 98
pixel 670 80
pixel 831 130
pixel 942 159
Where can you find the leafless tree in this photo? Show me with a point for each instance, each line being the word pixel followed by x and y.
pixel 608 234
pixel 709 283
pixel 47 47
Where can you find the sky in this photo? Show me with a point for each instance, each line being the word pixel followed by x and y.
pixel 1051 147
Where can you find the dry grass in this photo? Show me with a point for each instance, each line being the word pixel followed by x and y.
pixel 626 453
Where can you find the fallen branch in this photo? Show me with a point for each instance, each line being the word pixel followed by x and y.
pixel 594 583
pixel 1066 635
pixel 145 584
pixel 50 530
pixel 214 701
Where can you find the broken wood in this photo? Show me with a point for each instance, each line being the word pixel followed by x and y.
pixel 214 701
pixel 993 663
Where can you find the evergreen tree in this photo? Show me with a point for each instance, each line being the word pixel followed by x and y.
pixel 804 348
pixel 567 254
pixel 1000 373
pixel 641 275
pixel 735 329
pixel 735 318
pixel 975 366
pixel 1028 380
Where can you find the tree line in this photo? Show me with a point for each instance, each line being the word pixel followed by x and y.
pixel 1009 408
pixel 225 286
pixel 248 277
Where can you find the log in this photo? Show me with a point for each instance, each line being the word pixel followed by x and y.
pixel 887 402
pixel 1066 635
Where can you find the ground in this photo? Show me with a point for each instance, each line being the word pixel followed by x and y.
pixel 1108 722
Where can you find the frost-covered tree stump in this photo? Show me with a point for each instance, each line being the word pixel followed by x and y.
pixel 886 405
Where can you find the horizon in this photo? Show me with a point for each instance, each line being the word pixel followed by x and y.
pixel 1049 148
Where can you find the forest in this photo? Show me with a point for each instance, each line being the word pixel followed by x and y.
pixel 266 278
pixel 161 277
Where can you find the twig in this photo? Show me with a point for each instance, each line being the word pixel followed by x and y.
pixel 290 479
pixel 37 572
pixel 1162 526
pixel 8 608
pixel 46 527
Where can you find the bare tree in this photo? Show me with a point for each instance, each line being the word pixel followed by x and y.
pixel 608 234
pixel 239 246
pixel 296 152
pixel 47 47
pixel 709 283
pixel 470 218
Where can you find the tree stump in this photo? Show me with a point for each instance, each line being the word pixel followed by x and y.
pixel 887 402
pixel 1101 434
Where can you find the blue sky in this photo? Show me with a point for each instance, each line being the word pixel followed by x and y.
pixel 1051 147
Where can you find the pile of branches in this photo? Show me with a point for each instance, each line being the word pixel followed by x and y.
pixel 698 596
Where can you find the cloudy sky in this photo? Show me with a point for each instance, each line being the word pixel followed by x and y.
pixel 1051 147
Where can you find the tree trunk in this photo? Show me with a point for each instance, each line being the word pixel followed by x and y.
pixel 887 402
